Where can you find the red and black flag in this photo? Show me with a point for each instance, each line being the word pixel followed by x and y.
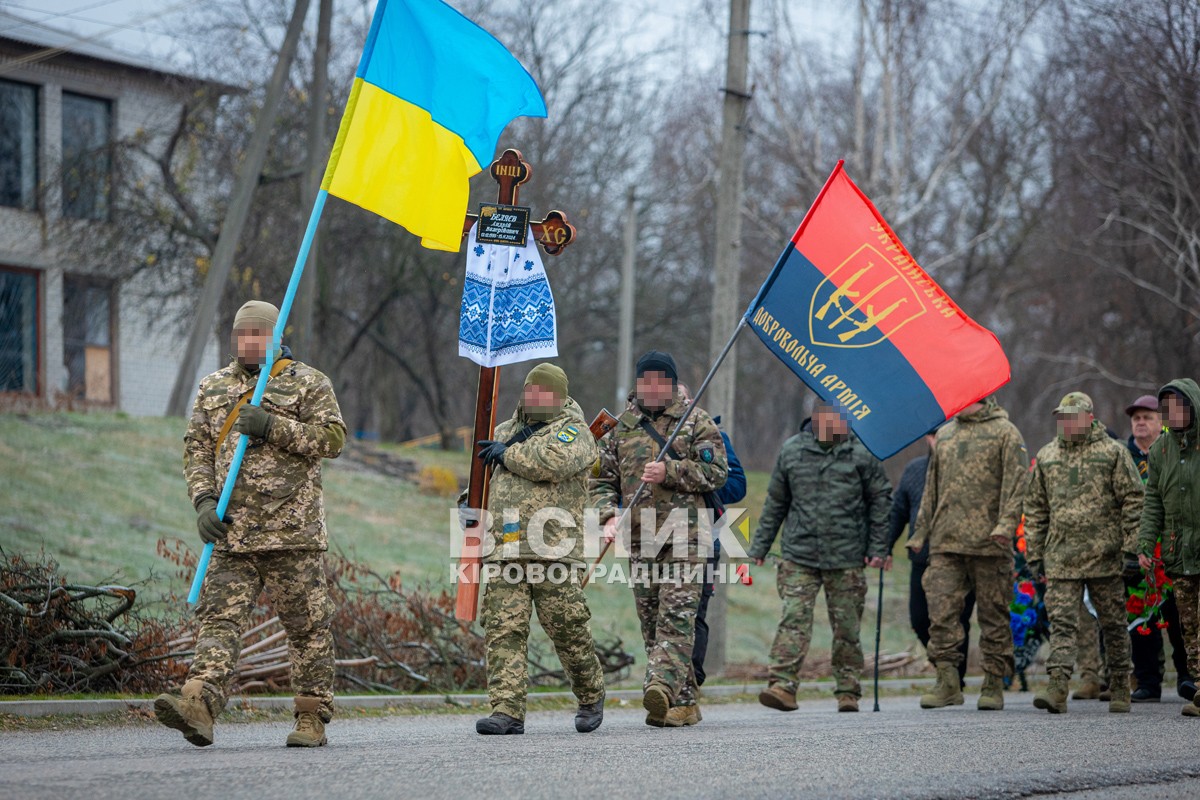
pixel 853 315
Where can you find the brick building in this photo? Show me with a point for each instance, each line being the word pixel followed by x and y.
pixel 67 332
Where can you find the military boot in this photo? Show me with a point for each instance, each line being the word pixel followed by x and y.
pixel 1088 690
pixel 657 701
pixel 499 725
pixel 680 716
pixel 991 696
pixel 1053 697
pixel 847 702
pixel 189 714
pixel 589 716
pixel 946 691
pixel 778 698
pixel 1191 710
pixel 1119 686
pixel 309 730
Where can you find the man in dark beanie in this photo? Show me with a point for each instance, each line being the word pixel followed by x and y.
pixel 273 533
pixel 666 593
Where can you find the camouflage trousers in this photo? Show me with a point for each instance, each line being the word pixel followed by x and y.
pixel 1064 607
pixel 1187 600
pixel 845 593
pixel 1087 639
pixel 563 612
pixel 667 598
pixel 296 588
pixel 947 582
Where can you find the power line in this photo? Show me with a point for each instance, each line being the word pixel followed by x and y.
pixel 50 52
pixel 50 16
pixel 126 26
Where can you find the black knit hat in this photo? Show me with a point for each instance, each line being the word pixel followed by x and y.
pixel 657 361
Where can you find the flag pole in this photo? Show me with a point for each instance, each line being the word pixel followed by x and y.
pixel 878 634
pixel 264 373
pixel 670 439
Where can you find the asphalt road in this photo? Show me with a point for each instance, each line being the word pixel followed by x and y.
pixel 738 751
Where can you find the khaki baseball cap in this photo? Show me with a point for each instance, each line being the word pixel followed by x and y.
pixel 1075 403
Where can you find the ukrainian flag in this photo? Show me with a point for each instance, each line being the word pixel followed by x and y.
pixel 432 94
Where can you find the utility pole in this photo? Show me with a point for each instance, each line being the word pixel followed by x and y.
pixel 304 340
pixel 235 220
pixel 727 266
pixel 625 330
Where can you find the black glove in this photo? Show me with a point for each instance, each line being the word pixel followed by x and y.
pixel 1130 568
pixel 253 421
pixel 212 528
pixel 492 452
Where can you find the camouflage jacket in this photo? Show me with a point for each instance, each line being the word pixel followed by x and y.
pixel 547 471
pixel 276 503
pixel 1082 507
pixel 833 504
pixel 1173 493
pixel 973 485
pixel 627 449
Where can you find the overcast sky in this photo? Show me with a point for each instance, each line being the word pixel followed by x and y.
pixel 152 27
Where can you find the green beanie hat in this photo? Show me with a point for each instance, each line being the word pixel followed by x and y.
pixel 549 377
pixel 258 313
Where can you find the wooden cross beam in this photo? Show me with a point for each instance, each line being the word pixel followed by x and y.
pixel 553 234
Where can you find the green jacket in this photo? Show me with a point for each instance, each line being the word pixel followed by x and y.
pixel 624 453
pixel 832 504
pixel 277 502
pixel 541 489
pixel 974 484
pixel 1082 507
pixel 1173 492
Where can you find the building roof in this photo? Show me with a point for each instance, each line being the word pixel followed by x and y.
pixel 38 34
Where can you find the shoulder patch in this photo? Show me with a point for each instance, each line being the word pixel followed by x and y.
pixel 568 434
pixel 706 453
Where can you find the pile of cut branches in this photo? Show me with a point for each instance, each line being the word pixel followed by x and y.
pixel 61 637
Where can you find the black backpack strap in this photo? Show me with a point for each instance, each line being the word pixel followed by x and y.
pixel 645 425
pixel 525 433
pixel 710 498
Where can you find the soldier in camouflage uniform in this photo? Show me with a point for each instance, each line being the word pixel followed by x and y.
pixel 969 515
pixel 273 533
pixel 832 498
pixel 1082 509
pixel 542 460
pixel 1172 511
pixel 666 564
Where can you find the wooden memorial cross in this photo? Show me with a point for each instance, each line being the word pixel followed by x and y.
pixel 553 234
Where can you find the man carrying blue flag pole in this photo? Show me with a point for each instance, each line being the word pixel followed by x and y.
pixel 273 533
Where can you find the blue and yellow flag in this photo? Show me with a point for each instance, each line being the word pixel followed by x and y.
pixel 432 94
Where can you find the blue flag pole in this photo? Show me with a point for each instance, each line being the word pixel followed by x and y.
pixel 264 374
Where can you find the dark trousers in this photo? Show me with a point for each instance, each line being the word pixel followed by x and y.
pixel 700 644
pixel 1147 650
pixel 918 613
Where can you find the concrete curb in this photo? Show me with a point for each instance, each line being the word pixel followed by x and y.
pixel 45 708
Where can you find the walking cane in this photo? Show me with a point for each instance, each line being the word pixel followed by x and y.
pixel 878 627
